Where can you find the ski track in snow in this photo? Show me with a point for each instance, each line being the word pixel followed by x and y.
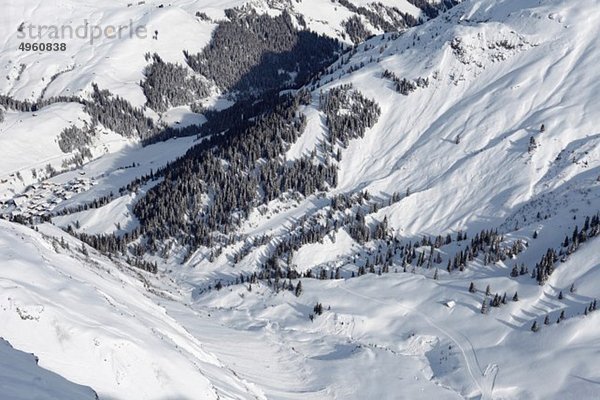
pixel 481 380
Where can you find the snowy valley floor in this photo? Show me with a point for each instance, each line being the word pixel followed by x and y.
pixel 388 337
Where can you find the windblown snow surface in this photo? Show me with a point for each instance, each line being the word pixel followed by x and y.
pixel 497 71
pixel 21 378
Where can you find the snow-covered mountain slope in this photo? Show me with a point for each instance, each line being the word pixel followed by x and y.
pixel 461 146
pixel 22 379
pixel 108 46
pixel 100 324
pixel 393 336
pixel 117 64
pixel 497 72
pixel 487 125
pixel 466 141
pixel 103 325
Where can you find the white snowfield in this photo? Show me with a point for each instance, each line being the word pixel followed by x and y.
pixel 22 379
pixel 497 71
pixel 101 324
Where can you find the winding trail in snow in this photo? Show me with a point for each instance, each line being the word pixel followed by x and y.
pixel 484 380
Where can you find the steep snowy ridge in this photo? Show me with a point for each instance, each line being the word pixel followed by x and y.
pixel 22 379
pixel 494 104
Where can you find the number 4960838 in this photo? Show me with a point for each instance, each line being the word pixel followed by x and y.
pixel 24 46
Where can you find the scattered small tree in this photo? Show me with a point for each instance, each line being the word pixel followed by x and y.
pixel 484 306
pixel 472 288
pixel 532 144
pixel 318 309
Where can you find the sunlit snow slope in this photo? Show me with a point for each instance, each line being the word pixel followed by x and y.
pixel 459 146
pixel 99 324
pixel 498 71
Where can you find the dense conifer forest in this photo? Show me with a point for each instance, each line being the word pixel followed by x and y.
pixel 252 53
